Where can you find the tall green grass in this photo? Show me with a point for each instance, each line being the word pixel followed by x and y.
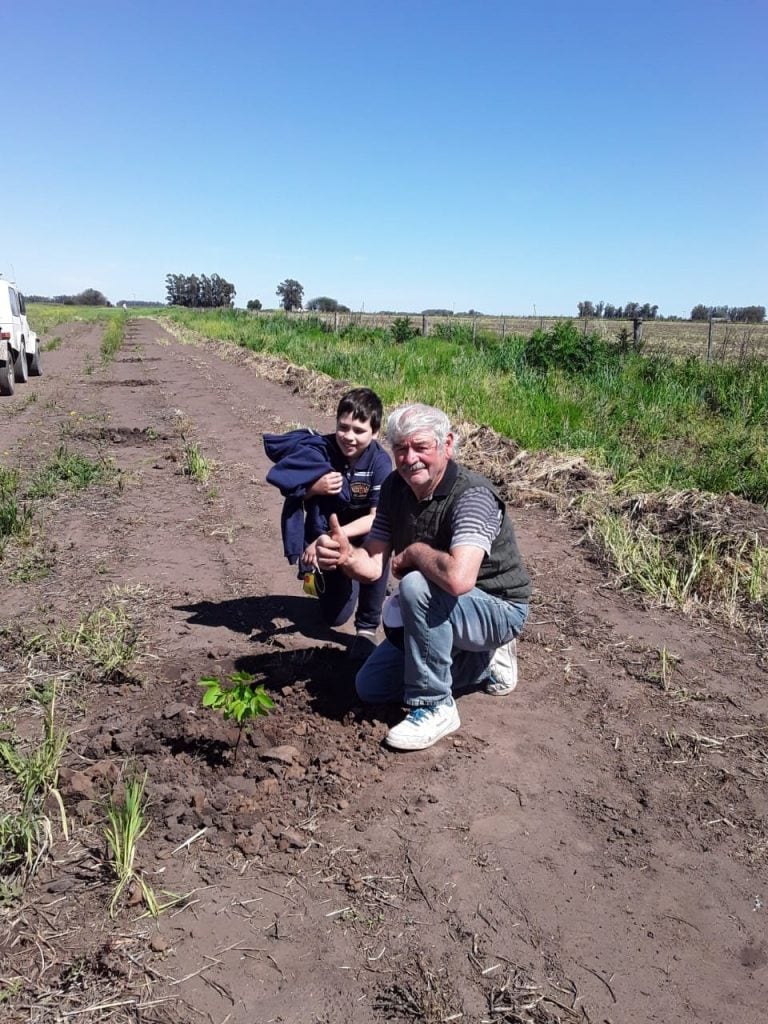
pixel 113 336
pixel 653 421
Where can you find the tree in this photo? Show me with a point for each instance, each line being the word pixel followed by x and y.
pixel 748 314
pixel 648 312
pixel 325 305
pixel 193 291
pixel 291 294
pixel 253 305
pixel 586 309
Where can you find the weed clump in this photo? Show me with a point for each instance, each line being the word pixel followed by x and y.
pixel 565 347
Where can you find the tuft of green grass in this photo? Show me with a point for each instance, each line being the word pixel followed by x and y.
pixel 26 833
pixel 24 840
pixel 105 638
pixel 67 470
pixel 14 517
pixel 36 772
pixel 195 464
pixel 52 344
pixel 127 824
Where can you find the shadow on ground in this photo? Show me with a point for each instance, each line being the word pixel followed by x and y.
pixel 255 616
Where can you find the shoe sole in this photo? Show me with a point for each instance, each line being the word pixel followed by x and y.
pixel 499 690
pixel 415 745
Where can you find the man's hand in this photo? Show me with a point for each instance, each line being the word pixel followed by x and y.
pixel 454 571
pixel 327 484
pixel 333 548
pixel 402 564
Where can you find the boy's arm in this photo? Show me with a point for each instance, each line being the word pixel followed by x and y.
pixel 360 526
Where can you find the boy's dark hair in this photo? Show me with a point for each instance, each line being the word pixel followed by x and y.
pixel 363 404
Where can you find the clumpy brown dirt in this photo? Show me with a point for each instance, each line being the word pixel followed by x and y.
pixel 593 848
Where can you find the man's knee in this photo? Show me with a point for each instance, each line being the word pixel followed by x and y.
pixel 414 588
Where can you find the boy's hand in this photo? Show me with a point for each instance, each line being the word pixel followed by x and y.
pixel 309 556
pixel 328 483
pixel 333 548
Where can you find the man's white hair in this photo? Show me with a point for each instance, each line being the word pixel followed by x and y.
pixel 416 418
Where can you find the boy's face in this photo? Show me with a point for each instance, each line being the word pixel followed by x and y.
pixel 353 436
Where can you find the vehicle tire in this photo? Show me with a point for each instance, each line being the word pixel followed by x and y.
pixel 33 363
pixel 20 365
pixel 7 377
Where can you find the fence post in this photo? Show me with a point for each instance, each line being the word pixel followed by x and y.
pixel 423 325
pixel 709 341
pixel 474 328
pixel 637 333
pixel 503 328
pixel 335 321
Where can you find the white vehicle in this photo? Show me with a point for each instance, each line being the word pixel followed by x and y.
pixel 19 345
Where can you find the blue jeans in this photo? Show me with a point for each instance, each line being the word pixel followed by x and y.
pixel 448 644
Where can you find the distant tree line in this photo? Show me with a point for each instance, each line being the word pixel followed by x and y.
pixel 199 292
pixel 607 311
pixel 736 314
pixel 90 297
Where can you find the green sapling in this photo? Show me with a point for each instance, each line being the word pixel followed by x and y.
pixel 241 701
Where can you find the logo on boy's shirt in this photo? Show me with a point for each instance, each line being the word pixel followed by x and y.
pixel 360 489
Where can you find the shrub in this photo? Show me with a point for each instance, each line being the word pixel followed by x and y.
pixel 402 329
pixel 564 347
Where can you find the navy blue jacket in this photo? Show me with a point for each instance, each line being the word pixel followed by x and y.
pixel 301 457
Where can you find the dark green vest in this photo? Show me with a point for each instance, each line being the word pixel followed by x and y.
pixel 502 572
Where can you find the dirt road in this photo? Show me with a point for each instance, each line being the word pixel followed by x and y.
pixel 593 848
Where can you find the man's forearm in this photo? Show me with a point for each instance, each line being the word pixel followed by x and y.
pixel 443 568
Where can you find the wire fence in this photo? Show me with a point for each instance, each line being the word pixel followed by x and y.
pixel 719 341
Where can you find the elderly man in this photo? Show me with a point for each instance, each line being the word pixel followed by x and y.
pixel 464 591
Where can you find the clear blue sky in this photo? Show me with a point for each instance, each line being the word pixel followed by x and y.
pixel 501 156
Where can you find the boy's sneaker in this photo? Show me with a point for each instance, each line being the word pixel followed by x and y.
pixel 423 727
pixel 363 646
pixel 502 671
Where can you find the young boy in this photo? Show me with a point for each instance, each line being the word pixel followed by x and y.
pixel 341 473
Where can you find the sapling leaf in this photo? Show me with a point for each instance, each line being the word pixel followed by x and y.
pixel 242 677
pixel 211 699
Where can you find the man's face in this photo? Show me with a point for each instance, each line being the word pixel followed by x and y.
pixel 420 462
pixel 353 436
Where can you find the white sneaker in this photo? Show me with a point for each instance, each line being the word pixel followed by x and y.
pixel 423 727
pixel 503 670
